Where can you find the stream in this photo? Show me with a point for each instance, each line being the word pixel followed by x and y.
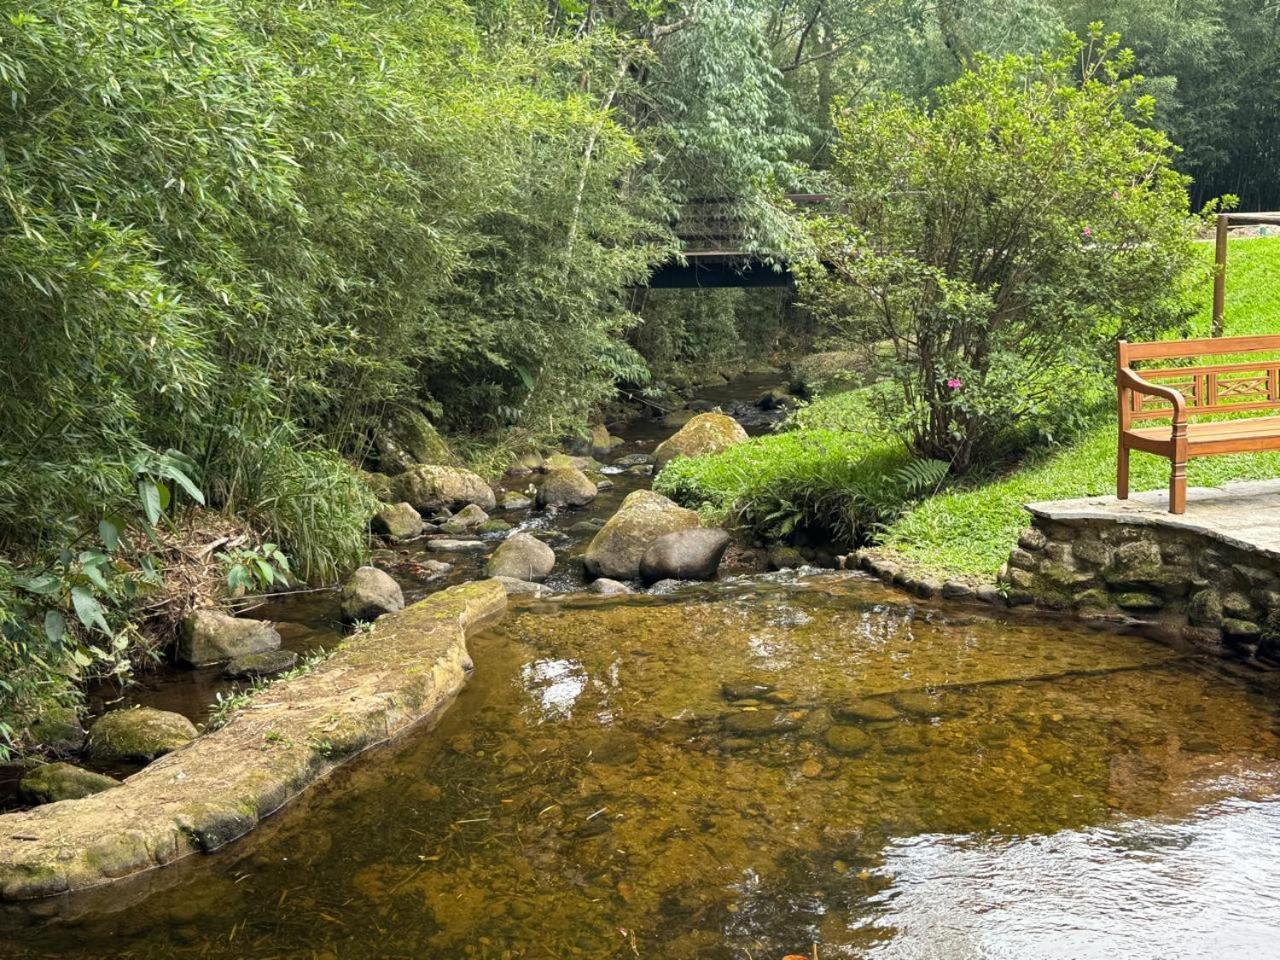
pixel 802 764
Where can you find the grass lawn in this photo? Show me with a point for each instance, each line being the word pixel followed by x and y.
pixel 972 531
pixel 1253 290
pixel 827 460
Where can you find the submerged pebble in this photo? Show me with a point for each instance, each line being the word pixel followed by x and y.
pixel 871 711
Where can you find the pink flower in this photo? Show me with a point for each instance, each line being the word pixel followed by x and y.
pixel 1087 231
pixel 1115 194
pixel 955 384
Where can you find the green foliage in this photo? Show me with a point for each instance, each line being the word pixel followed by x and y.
pixel 987 250
pixel 254 568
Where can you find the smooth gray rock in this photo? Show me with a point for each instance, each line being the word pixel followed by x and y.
pixel 684 555
pixel 368 594
pixel 522 557
pixel 397 522
pixel 609 588
pixel 210 636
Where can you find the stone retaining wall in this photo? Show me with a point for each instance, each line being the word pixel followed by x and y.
pixel 1219 595
pixel 218 787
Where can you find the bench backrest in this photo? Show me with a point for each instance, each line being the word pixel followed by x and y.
pixel 1207 388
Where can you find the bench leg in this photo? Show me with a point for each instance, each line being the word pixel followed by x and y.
pixel 1122 472
pixel 1178 488
pixel 1178 476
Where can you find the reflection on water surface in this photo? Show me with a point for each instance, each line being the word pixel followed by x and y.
pixel 747 770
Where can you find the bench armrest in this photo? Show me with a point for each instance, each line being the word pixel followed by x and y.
pixel 1126 379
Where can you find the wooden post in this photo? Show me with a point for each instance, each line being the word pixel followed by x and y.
pixel 1220 276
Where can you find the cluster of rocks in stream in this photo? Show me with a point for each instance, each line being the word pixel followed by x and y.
pixel 896 723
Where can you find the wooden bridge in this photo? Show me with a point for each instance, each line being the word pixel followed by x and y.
pixel 713 254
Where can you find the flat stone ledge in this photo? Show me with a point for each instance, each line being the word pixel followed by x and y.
pixel 218 787
pixel 1244 515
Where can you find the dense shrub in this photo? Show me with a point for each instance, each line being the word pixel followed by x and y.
pixel 252 231
pixel 987 250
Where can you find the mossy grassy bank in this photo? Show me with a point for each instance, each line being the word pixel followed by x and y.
pixel 832 466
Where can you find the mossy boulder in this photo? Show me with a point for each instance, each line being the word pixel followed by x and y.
pixel 56 731
pixel 469 518
pixel 211 636
pixel 522 557
pixel 566 488
pixel 429 487
pixel 379 484
pixel 143 733
pixel 616 551
pixel 706 433
pixel 368 594
pixel 255 665
pixel 52 782
pixel 564 461
pixel 420 439
pixel 397 522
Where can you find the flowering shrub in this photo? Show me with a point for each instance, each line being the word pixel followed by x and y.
pixel 988 251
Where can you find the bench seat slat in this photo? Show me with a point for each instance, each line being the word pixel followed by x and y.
pixel 1200 433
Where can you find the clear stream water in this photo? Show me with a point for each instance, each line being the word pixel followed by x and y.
pixel 775 765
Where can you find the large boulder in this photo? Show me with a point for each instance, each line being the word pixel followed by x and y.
pixel 615 552
pixel 684 555
pixel 368 594
pixel 143 733
pixel 397 522
pixel 522 557
pixel 429 487
pixel 705 433
pixel 52 782
pixel 408 439
pixel 211 636
pixel 566 488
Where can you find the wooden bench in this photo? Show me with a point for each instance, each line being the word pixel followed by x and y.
pixel 1179 393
